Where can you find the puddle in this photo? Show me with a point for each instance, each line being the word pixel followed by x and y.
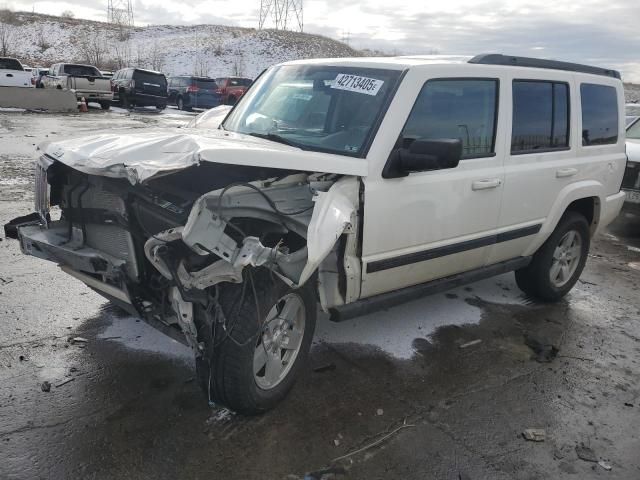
pixel 395 330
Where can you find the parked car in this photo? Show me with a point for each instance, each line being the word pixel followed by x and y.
pixel 36 76
pixel 135 87
pixel 12 73
pixel 232 88
pixel 355 183
pixel 85 80
pixel 631 180
pixel 187 92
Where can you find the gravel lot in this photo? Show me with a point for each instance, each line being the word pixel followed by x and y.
pixel 124 404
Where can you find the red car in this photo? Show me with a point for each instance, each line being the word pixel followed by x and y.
pixel 232 88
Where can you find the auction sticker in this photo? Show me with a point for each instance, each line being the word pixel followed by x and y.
pixel 354 83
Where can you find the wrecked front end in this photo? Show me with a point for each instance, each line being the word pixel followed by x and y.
pixel 162 247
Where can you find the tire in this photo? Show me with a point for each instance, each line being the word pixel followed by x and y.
pixel 124 101
pixel 558 263
pixel 232 370
pixel 160 107
pixel 232 101
pixel 105 105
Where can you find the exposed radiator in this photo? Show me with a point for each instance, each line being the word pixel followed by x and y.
pixel 108 237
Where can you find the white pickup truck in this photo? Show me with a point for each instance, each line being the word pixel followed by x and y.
pixel 85 80
pixel 12 73
pixel 354 184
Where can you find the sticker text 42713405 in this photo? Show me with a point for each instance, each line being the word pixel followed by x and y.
pixel 354 83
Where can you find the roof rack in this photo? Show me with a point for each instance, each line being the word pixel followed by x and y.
pixel 498 59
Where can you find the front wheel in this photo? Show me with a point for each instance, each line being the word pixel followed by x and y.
pixel 557 265
pixel 252 357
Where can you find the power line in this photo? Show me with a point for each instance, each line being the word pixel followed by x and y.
pixel 281 15
pixel 120 12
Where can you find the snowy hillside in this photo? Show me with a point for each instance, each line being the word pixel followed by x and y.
pixel 198 49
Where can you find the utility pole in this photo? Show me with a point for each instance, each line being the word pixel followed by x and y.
pixel 281 15
pixel 120 12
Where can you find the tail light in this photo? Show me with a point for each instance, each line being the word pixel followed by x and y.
pixel 192 89
pixel 219 91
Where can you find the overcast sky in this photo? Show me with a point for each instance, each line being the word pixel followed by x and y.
pixel 601 32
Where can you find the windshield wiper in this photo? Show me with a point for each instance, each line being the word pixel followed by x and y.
pixel 274 137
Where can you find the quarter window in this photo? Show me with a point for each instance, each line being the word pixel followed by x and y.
pixel 599 114
pixel 465 109
pixel 540 116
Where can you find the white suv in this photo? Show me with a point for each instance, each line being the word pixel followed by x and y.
pixel 352 183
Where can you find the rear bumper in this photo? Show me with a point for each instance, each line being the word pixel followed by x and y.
pixel 632 202
pixel 95 96
pixel 144 99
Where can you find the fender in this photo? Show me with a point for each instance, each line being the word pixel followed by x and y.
pixel 570 193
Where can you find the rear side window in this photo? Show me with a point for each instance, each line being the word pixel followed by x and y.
pixel 10 64
pixel 465 109
pixel 599 114
pixel 540 116
pixel 205 83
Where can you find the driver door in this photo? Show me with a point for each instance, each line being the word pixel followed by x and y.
pixel 436 223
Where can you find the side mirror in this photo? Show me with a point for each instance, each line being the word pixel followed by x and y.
pixel 423 155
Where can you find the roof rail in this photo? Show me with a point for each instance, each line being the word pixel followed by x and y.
pixel 498 59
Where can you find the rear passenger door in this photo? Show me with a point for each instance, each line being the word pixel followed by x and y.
pixel 541 159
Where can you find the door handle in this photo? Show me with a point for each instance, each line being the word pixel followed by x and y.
pixel 486 184
pixel 566 172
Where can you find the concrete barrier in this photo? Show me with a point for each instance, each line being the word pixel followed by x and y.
pixel 50 100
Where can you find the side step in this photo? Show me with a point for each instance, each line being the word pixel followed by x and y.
pixel 391 299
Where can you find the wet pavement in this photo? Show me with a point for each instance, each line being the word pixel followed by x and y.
pixel 442 387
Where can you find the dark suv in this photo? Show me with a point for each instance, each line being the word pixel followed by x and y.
pixel 232 88
pixel 135 87
pixel 189 92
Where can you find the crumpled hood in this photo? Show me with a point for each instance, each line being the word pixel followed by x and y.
pixel 140 156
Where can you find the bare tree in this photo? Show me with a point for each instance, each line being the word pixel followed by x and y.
pixel 121 55
pixel 201 66
pixel 238 66
pixel 67 14
pixel 41 39
pixel 156 57
pixel 93 47
pixel 7 38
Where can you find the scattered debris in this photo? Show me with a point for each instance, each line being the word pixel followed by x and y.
pixel 22 358
pixel 627 404
pixel 380 412
pixel 65 382
pixel 544 352
pixel 534 434
pixel 604 465
pixel 324 368
pixel 587 283
pixel 336 442
pixel 471 343
pixel 585 453
pixel 75 340
pixel 46 386
pixel 377 442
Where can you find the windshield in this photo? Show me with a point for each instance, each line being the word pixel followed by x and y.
pixel 323 108
pixel 205 83
pixel 81 71
pixel 634 131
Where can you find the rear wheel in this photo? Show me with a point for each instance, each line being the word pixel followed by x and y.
pixel 124 101
pixel 251 359
pixel 557 265
pixel 105 105
pixel 161 107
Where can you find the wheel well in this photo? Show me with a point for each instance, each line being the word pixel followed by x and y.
pixel 588 207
